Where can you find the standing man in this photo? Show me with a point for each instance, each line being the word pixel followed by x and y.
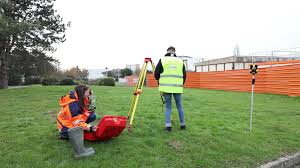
pixel 171 74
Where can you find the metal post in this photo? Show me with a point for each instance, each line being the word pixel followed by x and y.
pixel 251 111
pixel 253 71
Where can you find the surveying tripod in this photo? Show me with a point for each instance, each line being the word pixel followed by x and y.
pixel 138 90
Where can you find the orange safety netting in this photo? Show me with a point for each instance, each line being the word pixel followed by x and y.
pixel 276 77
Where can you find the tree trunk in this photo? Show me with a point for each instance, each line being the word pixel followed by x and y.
pixel 3 70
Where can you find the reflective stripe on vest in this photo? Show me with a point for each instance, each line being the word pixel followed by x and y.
pixel 172 85
pixel 171 76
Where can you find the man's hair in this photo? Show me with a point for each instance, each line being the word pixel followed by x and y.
pixel 171 48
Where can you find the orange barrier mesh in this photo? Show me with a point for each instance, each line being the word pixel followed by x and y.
pixel 280 78
pixel 131 80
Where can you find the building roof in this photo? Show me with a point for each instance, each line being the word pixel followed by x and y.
pixel 184 56
pixel 242 59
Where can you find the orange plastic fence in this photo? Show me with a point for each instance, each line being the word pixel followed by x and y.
pixel 131 80
pixel 280 78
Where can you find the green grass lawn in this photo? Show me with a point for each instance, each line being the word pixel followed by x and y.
pixel 216 136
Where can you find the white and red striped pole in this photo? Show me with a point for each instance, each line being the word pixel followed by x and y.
pixel 253 71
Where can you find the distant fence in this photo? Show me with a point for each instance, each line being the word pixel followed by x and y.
pixel 131 80
pixel 277 78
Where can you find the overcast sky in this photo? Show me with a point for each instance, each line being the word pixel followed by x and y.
pixel 113 33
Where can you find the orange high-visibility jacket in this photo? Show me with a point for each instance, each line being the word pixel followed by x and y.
pixel 70 114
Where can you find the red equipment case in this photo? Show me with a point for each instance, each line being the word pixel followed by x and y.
pixel 108 127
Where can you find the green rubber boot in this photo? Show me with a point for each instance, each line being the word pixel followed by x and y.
pixel 76 139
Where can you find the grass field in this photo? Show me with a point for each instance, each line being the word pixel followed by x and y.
pixel 216 136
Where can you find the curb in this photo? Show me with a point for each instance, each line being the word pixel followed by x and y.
pixel 284 162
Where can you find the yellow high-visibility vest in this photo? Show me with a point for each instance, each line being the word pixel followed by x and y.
pixel 171 80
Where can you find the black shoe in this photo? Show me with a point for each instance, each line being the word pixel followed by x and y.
pixel 168 129
pixel 182 127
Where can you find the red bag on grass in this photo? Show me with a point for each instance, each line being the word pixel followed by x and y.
pixel 108 127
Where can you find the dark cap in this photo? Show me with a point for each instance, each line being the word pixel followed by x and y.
pixel 171 48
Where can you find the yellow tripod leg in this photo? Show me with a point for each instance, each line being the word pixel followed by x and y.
pixel 131 106
pixel 136 95
pixel 143 78
pixel 153 67
pixel 133 111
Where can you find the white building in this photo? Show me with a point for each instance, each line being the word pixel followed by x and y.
pixel 189 62
pixel 95 73
pixel 235 62
pixel 133 67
